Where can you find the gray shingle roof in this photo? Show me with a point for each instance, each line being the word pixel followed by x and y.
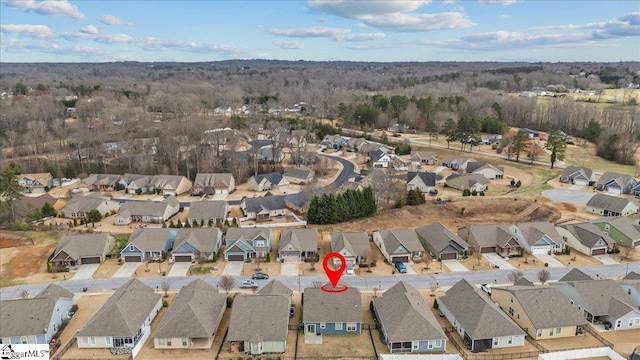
pixel 587 234
pixel 162 181
pixel 623 224
pixel 215 209
pixel 476 165
pixel 258 318
pixel 297 172
pixel 83 245
pixel 476 313
pixel 275 287
pixel 491 234
pixel 597 294
pixel 202 239
pixel 215 180
pixel 258 204
pixel 247 233
pixel 54 291
pixel 321 306
pixel 423 154
pixel 356 243
pixel 618 308
pixel 575 275
pixel 466 181
pixel 632 276
pixel 611 203
pixel 194 313
pixel 150 239
pixel 405 316
pixel 428 178
pixel 405 237
pixel 619 179
pixel 440 238
pixel 144 208
pixel 22 317
pixel 300 239
pixel 83 204
pixel 124 313
pixel 571 170
pixel 534 231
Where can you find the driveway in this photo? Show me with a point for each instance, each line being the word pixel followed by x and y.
pixel 576 187
pixel 568 196
pixel 454 265
pixel 85 272
pixel 546 258
pixel 496 259
pixel 179 269
pixel 410 269
pixel 289 268
pixel 606 259
pixel 127 269
pixel 233 268
pixel 439 169
pixel 219 197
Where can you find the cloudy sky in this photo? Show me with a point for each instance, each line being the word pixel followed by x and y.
pixel 359 30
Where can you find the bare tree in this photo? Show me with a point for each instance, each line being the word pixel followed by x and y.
pixel 227 283
pixel 426 257
pixel 165 287
pixel 543 276
pixel 626 252
pixel 514 276
pixel 258 261
pixel 526 255
pixel 477 255
pixel 24 294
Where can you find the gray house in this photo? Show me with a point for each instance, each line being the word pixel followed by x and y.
pixel 205 211
pixel 331 313
pixel 471 182
pixel 298 244
pixel 406 321
pixel 145 243
pixel 263 208
pixel 616 184
pixel 424 181
pixel 443 243
pixel 490 238
pixel 539 237
pixel 196 244
pixel 354 246
pixel 260 323
pixel 607 205
pixel 213 183
pixel 480 323
pixel 247 243
pixel 585 237
pixel 424 157
pixel 578 176
pixel 81 249
pixel 398 245
pixel 298 174
pixel 35 320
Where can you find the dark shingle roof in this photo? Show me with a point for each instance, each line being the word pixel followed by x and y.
pixel 575 275
pixel 321 306
pixel 611 203
pixel 258 204
pixel 428 178
pixel 439 237
pixel 259 318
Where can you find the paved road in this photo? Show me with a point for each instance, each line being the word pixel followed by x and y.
pixel 348 171
pixel 360 282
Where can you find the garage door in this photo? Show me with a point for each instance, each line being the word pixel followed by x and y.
pixel 615 191
pixel 235 257
pixel 539 250
pixel 396 259
pixel 131 258
pixel 580 182
pixel 449 256
pixel 487 250
pixel 290 257
pixel 225 191
pixel 91 260
pixel 218 191
pixel 182 258
pixel 599 251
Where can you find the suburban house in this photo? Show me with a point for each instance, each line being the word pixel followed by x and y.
pixel 263 208
pixel 331 313
pixel 574 275
pixel 192 319
pixel 298 244
pixel 124 321
pixel 35 183
pixel 270 181
pixel 247 243
pixel 578 175
pixel 616 184
pixel 471 182
pixel 275 287
pixel 210 183
pixel 333 141
pixel 205 212
pixel 456 162
pixel 607 205
pixel 354 144
pixel 101 182
pixel 270 154
pixel 424 181
pixel 631 285
pixel 441 242
pixel 170 184
pixel 543 312
pixel 354 246
pixel 602 300
pixel 406 322
pixel 27 204
pixel 298 174
pixel 621 229
pixel 480 323
pixel 398 245
pixel 260 323
pixel 380 159
pixel 148 244
pixel 585 237
pixel 302 157
pixel 487 170
pixel 424 157
pixel 296 138
pixel 539 237
pixel 135 183
pixel 81 249
pixel 148 211
pixel 196 244
pixel 35 320
pixel 79 206
pixel 490 238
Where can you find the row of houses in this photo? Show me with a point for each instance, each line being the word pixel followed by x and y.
pixel 609 182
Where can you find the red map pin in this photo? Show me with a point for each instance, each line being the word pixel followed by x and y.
pixel 334 275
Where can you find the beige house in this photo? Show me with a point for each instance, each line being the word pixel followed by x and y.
pixel 170 184
pixel 210 183
pixel 78 207
pixel 260 323
pixel 298 175
pixel 35 183
pixel 270 181
pixel 585 237
pixel 608 205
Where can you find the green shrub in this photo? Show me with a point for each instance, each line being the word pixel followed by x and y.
pixel 546 264
pixel 19 226
pixel 268 257
pixel 435 304
pixel 474 193
pixel 165 303
pixel 466 192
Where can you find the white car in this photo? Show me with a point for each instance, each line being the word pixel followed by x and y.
pixel 486 288
pixel 350 270
pixel 248 284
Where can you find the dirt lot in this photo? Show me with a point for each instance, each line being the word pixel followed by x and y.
pixel 623 341
pixel 573 342
pixel 88 305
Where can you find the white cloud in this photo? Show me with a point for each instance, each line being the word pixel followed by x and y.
pixel 503 2
pixel 504 16
pixel 89 29
pixel 47 7
pixel 419 22
pixel 354 9
pixel 111 20
pixel 625 26
pixel 339 34
pixel 35 31
pixel 19 46
pixel 289 45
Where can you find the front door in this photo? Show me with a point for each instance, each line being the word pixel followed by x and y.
pixel 311 329
pixel 118 342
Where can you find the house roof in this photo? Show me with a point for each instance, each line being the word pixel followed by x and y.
pixel 82 245
pixel 248 233
pixel 273 177
pixel 534 231
pixel 145 208
pixel 275 287
pixel 357 243
pixel 200 239
pixel 440 238
pixel 423 154
pixel 23 317
pixel 101 179
pixel 575 275
pixel 194 313
pixel 151 239
pixel 84 203
pixel 298 172
pixel 321 306
pixel 140 180
pixel 164 181
pixel 27 203
pixel 428 178
pixel 597 294
pixel 587 234
pixel 623 224
pixel 54 291
pixel 611 203
pixel 476 166
pixel 490 234
pixel 620 179
pixel 405 237
pixel 465 181
pixel 214 209
pixel 476 313
pixel 124 313
pixel 572 171
pixel 523 282
pixel 619 308
pixel 258 204
pixel 300 239
pixel 216 180
pixel 632 276
pixel 259 318
pixel 268 153
pixel 405 316
pixel 42 178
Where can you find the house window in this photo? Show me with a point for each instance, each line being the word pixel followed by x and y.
pixel 161 341
pixel 518 315
pixel 108 340
pixel 32 339
pixel 168 342
pixel 510 340
pixel 558 331
pixel 259 243
pixel 338 326
pixel 438 343
pixel 551 332
pixel 131 248
pixel 184 341
pixel 512 299
pixel 323 325
pixel 430 345
pixel 510 311
pixel 539 334
pixel 415 345
pixel 618 323
pixel 23 339
pixel 571 302
pixel 351 326
pixel 495 342
pixel 93 340
pixel 85 340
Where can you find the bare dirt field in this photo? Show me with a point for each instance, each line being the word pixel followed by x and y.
pixel 476 263
pixel 623 341
pixel 106 269
pixel 88 305
pixel 573 342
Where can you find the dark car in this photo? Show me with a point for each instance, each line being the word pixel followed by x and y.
pixel 260 276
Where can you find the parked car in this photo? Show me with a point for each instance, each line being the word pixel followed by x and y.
pixel 350 270
pixel 248 284
pixel 292 310
pixel 259 276
pixel 402 269
pixel 486 288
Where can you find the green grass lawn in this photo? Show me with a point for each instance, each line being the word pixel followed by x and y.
pixel 585 156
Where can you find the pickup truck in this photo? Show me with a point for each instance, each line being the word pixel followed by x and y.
pixel 248 284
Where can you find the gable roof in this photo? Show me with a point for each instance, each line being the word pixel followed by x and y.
pixel 194 313
pixel 145 208
pixel 466 181
pixel 248 233
pixel 475 166
pixel 623 224
pixel 597 294
pixel 575 275
pixel 298 172
pixel 81 245
pixel 151 239
pixel 54 291
pixel 587 234
pixel 23 317
pixel 321 306
pixel 611 177
pixel 213 180
pixel 164 181
pixel 405 237
pixel 247 324
pixel 476 313
pixel 274 177
pixel 201 239
pixel 214 209
pixel 491 234
pixel 84 203
pixel 124 313
pixel 632 276
pixel 42 178
pixel 405 315
pixel 258 204
pixel 534 231
pixel 523 282
pixel 139 179
pixel 300 239
pixel 428 178
pixel 275 287
pixel 356 243
pixel 423 154
pixel 611 203
pixel 572 171
pixel 439 237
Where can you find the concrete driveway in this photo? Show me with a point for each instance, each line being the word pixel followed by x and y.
pixel 546 258
pixel 410 270
pixel 289 268
pixel 606 259
pixel 127 269
pixel 179 269
pixel 496 259
pixel 568 196
pixel 85 272
pixel 233 268
pixel 454 265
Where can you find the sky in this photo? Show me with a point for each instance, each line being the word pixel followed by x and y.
pixel 319 30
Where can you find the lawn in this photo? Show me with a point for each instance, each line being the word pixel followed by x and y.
pixel 586 156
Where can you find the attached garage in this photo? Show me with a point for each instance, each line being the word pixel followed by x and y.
pixel 540 250
pixel 448 256
pixel 290 256
pixel 581 182
pixel 182 258
pixel 218 191
pixel 614 190
pixel 235 257
pixel 90 260
pixel 485 250
pixel 599 251
pixel 133 258
pixel 396 259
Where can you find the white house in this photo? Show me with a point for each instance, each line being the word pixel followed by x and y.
pixel 537 237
